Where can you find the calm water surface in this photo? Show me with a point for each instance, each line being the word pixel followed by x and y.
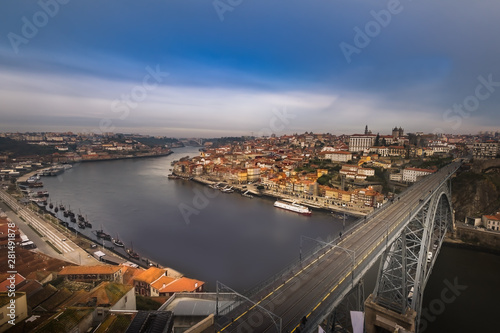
pixel 241 241
pixel 226 237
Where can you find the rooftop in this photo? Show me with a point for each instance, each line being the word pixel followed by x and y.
pixel 100 269
pixel 150 275
pixel 182 285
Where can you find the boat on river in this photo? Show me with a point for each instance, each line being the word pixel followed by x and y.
pixel 293 206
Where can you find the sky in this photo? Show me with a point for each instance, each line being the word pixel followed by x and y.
pixel 211 68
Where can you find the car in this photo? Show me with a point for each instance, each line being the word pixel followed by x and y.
pixel 429 256
pixel 64 239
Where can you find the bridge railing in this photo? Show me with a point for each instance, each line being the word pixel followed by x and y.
pixel 307 257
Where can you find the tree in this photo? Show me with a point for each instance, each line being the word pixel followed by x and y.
pixel 324 180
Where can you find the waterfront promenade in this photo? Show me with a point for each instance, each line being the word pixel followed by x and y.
pixel 48 238
pixel 312 201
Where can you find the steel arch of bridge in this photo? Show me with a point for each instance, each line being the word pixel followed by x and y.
pixel 406 265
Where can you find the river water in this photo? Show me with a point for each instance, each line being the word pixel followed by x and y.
pixel 238 241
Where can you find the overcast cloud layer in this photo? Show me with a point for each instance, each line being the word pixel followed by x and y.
pixel 233 67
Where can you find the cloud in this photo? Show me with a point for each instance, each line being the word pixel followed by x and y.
pixel 227 76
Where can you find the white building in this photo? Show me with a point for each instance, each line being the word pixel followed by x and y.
pixel 336 156
pixel 361 142
pixel 485 150
pixel 411 175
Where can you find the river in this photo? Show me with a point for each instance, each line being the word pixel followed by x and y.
pixel 240 242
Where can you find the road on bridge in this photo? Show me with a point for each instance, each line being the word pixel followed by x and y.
pixel 321 281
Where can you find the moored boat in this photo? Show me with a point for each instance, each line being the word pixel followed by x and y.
pixel 102 234
pixel 293 206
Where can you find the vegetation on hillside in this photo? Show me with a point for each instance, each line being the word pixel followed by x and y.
pixel 475 194
pixel 15 148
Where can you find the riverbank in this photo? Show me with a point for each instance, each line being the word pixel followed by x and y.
pixel 468 237
pixel 68 242
pixel 251 188
pixel 127 157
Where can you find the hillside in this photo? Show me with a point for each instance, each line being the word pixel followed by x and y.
pixel 15 148
pixel 477 191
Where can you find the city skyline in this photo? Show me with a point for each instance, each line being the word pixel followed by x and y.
pixel 211 69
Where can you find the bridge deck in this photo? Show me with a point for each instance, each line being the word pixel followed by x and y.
pixel 325 279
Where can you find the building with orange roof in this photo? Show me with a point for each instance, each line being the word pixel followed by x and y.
pixel 93 273
pixel 181 285
pixel 10 281
pixel 129 273
pixel 491 222
pixel 143 283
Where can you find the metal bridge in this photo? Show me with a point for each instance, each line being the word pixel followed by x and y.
pixel 405 234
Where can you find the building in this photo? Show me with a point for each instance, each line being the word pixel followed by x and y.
pixel 361 142
pixel 144 283
pixel 491 222
pixel 412 175
pixel 4 233
pixel 367 197
pixel 485 150
pixel 398 132
pixel 356 172
pixel 180 285
pixel 93 273
pixel 253 174
pixel 13 309
pixel 396 177
pixel 336 156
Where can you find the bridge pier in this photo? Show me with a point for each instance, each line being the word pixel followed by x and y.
pixel 377 317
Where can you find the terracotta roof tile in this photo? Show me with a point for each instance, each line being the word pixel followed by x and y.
pixel 100 269
pixel 150 275
pixel 182 285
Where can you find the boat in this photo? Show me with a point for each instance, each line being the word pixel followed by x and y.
pixel 65 214
pixel 72 219
pixel 102 234
pixel 56 170
pixel 172 176
pixel 61 207
pixel 118 242
pixel 81 225
pixel 133 254
pixel 87 223
pixel 247 194
pixel 293 206
pixel 227 189
pixel 51 205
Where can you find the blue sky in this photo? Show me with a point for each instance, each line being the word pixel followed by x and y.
pixel 229 67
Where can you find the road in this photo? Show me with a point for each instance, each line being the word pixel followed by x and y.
pixel 25 219
pixel 323 280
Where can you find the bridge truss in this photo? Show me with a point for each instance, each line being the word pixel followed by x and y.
pixel 407 263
